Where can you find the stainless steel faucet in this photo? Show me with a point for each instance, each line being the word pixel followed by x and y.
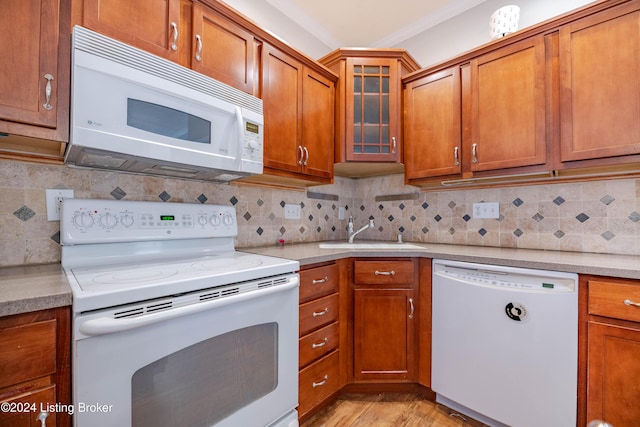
pixel 353 234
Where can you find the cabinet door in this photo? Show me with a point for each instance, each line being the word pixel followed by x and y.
pixel 613 371
pixel 508 108
pixel 372 110
pixel 384 334
pixel 318 107
pixel 29 79
pixel 151 25
pixel 281 96
pixel 600 96
pixel 223 50
pixel 432 125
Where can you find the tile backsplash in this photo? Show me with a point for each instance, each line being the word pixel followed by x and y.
pixel 597 216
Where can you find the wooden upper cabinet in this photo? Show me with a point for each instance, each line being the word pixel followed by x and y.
pixel 508 108
pixel 600 88
pixel 432 125
pixel 151 25
pixel 318 107
pixel 34 80
pixel 299 117
pixel 189 33
pixel 281 96
pixel 223 50
pixel 30 64
pixel 368 104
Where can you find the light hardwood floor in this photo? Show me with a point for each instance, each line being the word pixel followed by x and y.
pixel 382 410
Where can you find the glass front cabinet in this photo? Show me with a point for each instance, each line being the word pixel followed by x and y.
pixel 368 103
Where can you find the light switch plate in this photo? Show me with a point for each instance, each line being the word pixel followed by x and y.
pixel 54 202
pixel 292 211
pixel 486 210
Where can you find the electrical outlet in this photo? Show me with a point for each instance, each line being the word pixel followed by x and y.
pixel 292 211
pixel 486 210
pixel 54 202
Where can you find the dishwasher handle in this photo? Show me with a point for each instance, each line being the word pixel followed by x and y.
pixel 109 325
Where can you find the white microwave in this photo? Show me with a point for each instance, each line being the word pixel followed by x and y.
pixel 136 112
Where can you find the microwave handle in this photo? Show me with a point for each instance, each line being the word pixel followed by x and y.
pixel 110 325
pixel 240 140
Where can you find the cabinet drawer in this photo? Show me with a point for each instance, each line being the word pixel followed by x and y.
pixel 381 272
pixel 608 299
pixel 317 282
pixel 317 313
pixel 318 381
pixel 27 352
pixel 318 343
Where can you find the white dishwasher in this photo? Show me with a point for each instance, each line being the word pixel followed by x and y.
pixel 505 343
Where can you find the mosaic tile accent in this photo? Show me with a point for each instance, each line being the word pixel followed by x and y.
pixel 118 193
pixel 164 196
pixel 24 213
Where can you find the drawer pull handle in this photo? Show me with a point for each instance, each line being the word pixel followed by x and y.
pixel 411 308
pixel 321 313
pixel 321 343
pixel 42 417
pixel 385 273
pixel 325 279
pixel 319 383
pixel 199 48
pixel 174 29
pixel 631 303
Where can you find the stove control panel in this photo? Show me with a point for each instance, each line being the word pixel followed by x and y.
pixel 97 221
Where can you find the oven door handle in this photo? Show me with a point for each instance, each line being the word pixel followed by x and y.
pixel 109 325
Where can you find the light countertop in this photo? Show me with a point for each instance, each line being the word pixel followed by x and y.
pixel 39 287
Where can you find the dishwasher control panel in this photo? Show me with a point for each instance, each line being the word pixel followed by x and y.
pixel 498 276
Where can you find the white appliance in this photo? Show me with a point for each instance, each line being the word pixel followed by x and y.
pixel 505 343
pixel 171 325
pixel 136 112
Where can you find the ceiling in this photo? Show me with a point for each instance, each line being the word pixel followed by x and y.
pixel 369 23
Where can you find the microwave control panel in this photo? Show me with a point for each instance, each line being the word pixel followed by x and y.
pixel 253 141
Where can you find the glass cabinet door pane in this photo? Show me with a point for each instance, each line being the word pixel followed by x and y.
pixel 372 134
pixel 385 110
pixel 372 84
pixel 372 109
pixel 357 109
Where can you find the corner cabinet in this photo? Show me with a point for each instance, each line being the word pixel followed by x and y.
pixel 612 350
pixel 369 104
pixel 385 316
pixel 35 353
pixel 34 88
pixel 298 114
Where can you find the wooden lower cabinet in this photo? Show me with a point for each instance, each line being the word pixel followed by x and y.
pixel 385 312
pixel 35 368
pixel 613 351
pixel 319 344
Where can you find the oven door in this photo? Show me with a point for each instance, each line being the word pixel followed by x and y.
pixel 225 362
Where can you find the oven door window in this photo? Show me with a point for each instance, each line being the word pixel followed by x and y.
pixel 167 121
pixel 208 381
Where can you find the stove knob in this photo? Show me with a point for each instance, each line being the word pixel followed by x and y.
pixel 202 220
pixel 228 219
pixel 83 220
pixel 215 220
pixel 108 220
pixel 127 220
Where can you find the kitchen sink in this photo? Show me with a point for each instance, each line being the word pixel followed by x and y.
pixel 367 245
